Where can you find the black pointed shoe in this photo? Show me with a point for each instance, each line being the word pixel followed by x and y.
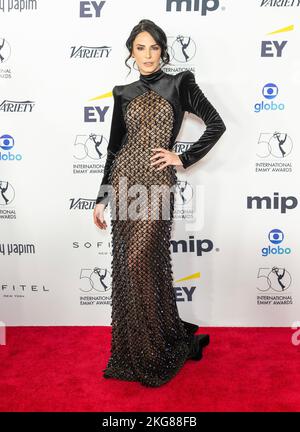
pixel 199 342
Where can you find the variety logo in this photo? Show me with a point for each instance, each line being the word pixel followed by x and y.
pixel 90 52
pixel 280 3
pixel 269 91
pixel 276 237
pixel 82 204
pixel 182 146
pixel 16 106
pixel 7 143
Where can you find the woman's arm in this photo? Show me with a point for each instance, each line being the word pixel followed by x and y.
pixel 117 131
pixel 193 100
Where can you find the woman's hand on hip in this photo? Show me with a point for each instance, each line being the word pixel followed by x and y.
pixel 164 157
pixel 99 216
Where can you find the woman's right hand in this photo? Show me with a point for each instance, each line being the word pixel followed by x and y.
pixel 99 216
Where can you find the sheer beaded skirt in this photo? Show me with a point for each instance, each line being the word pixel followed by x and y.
pixel 149 340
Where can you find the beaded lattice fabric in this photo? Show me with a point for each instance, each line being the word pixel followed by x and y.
pixel 149 340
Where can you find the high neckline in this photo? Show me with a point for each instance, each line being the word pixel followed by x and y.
pixel 154 76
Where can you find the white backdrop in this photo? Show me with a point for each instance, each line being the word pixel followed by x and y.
pixel 58 64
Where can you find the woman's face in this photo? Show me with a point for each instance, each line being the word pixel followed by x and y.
pixel 146 53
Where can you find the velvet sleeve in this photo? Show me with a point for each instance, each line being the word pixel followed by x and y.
pixel 117 132
pixel 193 100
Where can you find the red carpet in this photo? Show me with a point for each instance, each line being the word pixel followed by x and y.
pixel 60 369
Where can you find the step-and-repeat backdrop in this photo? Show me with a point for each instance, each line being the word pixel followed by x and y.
pixel 235 236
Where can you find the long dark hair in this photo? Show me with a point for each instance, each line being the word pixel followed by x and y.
pixel 158 35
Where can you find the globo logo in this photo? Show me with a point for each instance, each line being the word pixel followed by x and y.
pixel 263 106
pixel 269 91
pixel 7 143
pixel 275 236
pixel 10 156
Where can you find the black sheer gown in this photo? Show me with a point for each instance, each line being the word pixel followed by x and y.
pixel 150 342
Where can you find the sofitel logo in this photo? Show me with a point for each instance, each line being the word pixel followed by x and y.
pixel 16 106
pixel 90 52
pixel 20 290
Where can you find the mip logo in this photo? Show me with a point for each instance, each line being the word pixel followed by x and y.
pixel 275 237
pixel 269 92
pixel 203 6
pixel 7 143
pixel 283 203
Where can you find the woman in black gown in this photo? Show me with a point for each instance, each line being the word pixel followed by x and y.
pixel 150 343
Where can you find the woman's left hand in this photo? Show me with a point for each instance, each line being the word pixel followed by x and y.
pixel 164 156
